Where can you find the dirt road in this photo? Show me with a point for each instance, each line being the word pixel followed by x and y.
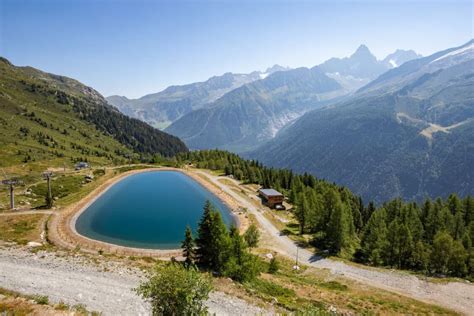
pixel 105 287
pixel 454 295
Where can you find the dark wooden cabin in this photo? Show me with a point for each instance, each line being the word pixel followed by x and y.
pixel 272 198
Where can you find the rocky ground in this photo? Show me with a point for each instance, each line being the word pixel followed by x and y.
pixel 100 286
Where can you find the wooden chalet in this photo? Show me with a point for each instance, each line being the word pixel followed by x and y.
pixel 272 198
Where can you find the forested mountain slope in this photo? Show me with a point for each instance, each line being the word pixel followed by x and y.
pixel 45 116
pixel 409 133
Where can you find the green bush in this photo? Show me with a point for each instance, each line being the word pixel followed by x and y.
pixel 41 299
pixel 174 290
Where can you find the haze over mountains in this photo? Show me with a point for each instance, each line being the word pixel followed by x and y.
pixel 408 133
pixel 247 117
pixel 162 108
pixel 401 126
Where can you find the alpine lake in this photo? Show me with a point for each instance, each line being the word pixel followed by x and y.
pixel 148 210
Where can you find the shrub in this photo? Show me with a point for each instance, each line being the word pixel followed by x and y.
pixel 274 266
pixel 174 290
pixel 41 299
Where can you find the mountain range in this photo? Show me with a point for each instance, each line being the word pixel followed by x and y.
pixel 246 117
pixel 408 133
pixel 162 108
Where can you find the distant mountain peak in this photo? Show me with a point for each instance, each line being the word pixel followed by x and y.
pixel 362 51
pixel 276 68
pixel 399 57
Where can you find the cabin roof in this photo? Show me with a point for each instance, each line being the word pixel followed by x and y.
pixel 270 192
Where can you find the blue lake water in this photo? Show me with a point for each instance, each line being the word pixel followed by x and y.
pixel 148 210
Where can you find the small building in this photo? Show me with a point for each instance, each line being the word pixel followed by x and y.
pixel 81 165
pixel 272 198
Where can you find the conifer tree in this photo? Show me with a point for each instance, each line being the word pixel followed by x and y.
pixel 240 264
pixel 302 211
pixel 338 230
pixel 218 246
pixel 468 210
pixel 442 247
pixel 188 247
pixel 374 238
pixel 252 236
pixel 457 261
pixel 203 239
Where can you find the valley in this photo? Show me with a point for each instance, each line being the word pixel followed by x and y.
pixel 154 162
pixel 355 276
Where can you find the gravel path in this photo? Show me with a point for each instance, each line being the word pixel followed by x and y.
pixel 104 287
pixel 25 212
pixel 457 296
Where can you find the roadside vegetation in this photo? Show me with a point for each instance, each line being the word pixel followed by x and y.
pixel 259 278
pixel 17 304
pixel 397 234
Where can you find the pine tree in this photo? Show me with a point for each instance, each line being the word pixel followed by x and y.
pixel 454 204
pixel 252 236
pixel 458 225
pixel 468 210
pixel 338 233
pixel 442 247
pixel 219 243
pixel 213 239
pixel 240 264
pixel 367 212
pixel 457 261
pixel 301 212
pixel 204 235
pixel 374 238
pixel 188 247
pixel 421 256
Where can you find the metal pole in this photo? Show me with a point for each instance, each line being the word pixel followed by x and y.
pixel 297 248
pixel 50 195
pixel 12 197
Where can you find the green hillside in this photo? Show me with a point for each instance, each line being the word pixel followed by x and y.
pixel 58 120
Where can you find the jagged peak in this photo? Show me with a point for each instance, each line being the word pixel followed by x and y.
pixel 362 50
pixel 276 68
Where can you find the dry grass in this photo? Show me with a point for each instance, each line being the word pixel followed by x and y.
pixel 14 303
pixel 312 289
pixel 21 228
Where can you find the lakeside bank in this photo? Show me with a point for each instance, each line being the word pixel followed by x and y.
pixel 62 229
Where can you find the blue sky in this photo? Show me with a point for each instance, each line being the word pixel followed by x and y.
pixel 133 48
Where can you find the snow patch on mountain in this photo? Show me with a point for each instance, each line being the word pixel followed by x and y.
pixel 464 50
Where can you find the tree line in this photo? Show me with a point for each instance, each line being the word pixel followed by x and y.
pixel 221 250
pixel 434 237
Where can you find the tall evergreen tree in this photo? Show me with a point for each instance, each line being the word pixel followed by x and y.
pixel 188 247
pixel 240 264
pixel 302 211
pixel 338 232
pixel 203 239
pixel 442 247
pixel 252 236
pixel 374 238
